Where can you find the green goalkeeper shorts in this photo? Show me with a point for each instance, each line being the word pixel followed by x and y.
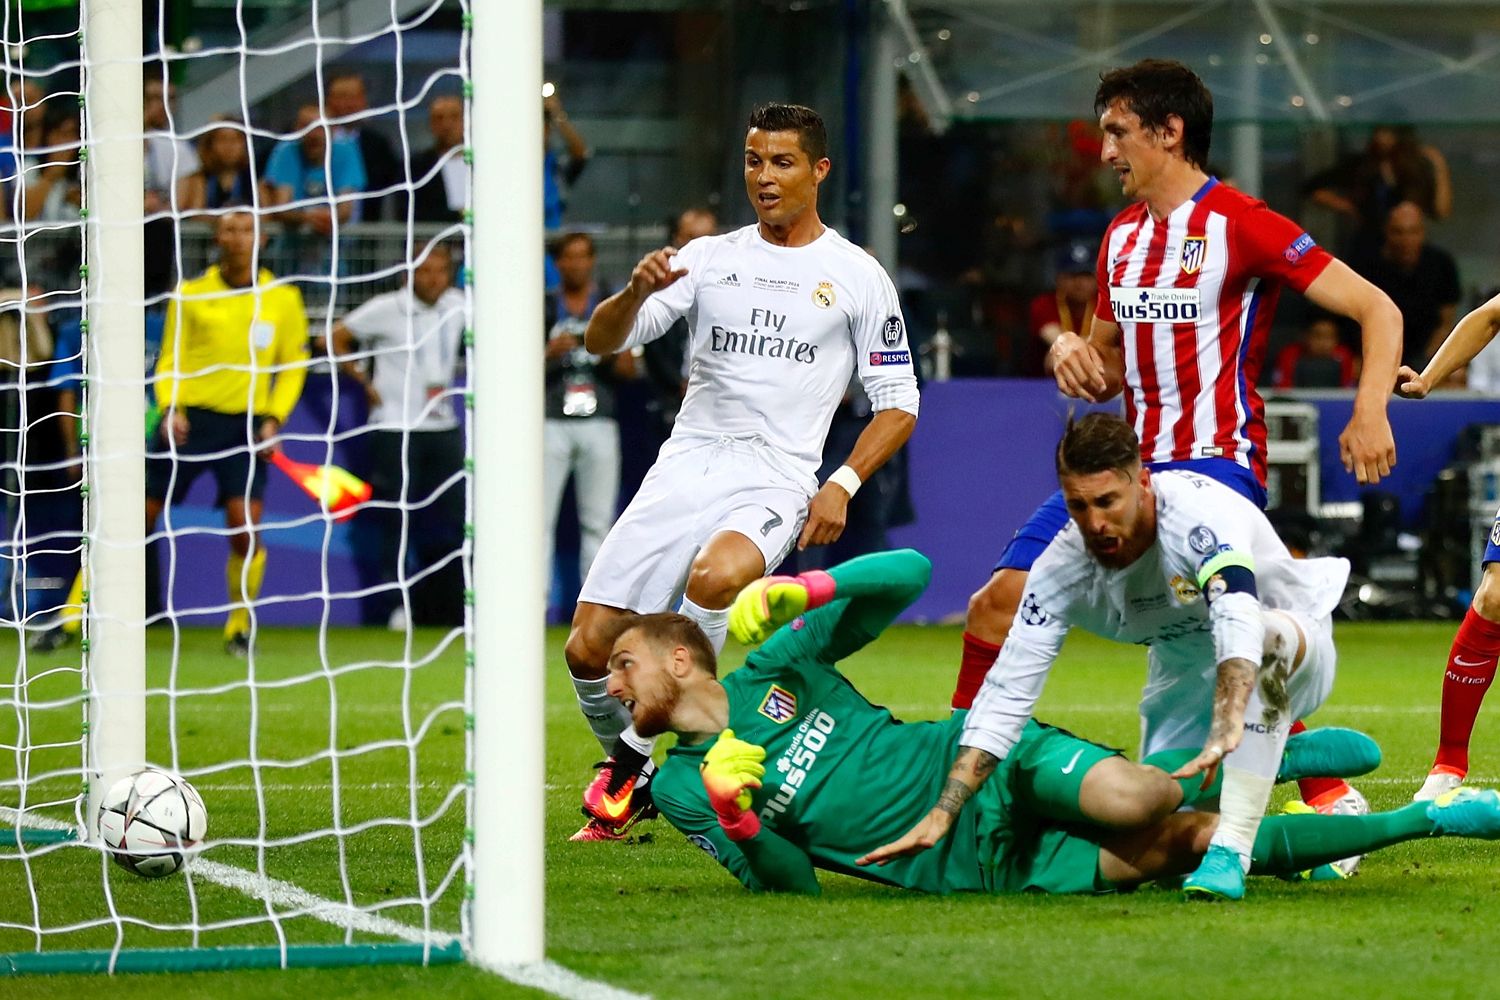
pixel 1047 845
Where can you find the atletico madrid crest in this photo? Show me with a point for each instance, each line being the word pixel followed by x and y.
pixel 779 704
pixel 1193 250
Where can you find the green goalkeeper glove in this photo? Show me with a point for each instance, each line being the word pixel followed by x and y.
pixel 772 601
pixel 729 770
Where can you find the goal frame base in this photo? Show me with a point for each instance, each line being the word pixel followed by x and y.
pixel 301 956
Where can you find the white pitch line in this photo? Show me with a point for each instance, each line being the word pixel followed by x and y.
pixel 285 894
pixel 284 786
pixel 549 977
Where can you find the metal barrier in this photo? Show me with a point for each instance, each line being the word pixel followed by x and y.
pixel 367 259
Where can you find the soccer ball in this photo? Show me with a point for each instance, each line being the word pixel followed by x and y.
pixel 151 821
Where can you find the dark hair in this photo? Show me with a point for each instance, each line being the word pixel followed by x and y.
pixel 812 136
pixel 674 222
pixel 427 248
pixel 668 630
pixel 1157 88
pixel 1099 442
pixel 563 241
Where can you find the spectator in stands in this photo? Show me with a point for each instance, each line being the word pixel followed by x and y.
pixel 1318 360
pixel 442 197
pixel 1420 278
pixel 559 174
pixel 1070 304
pixel 1085 194
pixel 313 169
pixel 27 97
pixel 581 437
pixel 224 176
pixel 410 343
pixel 1393 167
pixel 347 104
pixel 665 358
pixel 53 190
pixel 169 160
pixel 65 376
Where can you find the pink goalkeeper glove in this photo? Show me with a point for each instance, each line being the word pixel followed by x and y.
pixel 772 601
pixel 729 770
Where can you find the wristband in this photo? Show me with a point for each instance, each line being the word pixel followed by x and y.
pixel 743 827
pixel 847 478
pixel 820 587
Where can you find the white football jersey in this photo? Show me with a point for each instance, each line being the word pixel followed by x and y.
pixel 1202 528
pixel 776 334
pixel 419 347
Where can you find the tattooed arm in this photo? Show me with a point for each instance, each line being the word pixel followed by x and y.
pixel 970 770
pixel 1231 694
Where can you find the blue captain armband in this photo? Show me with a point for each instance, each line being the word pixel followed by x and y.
pixel 1226 572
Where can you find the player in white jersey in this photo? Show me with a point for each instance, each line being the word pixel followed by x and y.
pixel 782 313
pixel 1240 635
pixel 1189 276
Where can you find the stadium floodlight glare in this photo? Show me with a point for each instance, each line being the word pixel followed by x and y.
pixel 375 796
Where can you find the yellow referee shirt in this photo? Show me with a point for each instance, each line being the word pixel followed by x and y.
pixel 231 350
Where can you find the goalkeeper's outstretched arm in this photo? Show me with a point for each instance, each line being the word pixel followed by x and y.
pixel 845 607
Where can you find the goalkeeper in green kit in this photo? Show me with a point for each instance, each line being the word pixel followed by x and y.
pixel 783 767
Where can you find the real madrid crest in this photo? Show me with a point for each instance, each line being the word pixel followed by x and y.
pixel 1185 591
pixel 823 296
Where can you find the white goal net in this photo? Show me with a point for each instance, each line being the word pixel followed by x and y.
pixel 237 406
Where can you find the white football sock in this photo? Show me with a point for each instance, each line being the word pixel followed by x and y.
pixel 715 624
pixel 640 744
pixel 1242 805
pixel 606 716
pixel 1250 774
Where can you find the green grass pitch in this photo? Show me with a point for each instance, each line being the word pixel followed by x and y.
pixel 657 916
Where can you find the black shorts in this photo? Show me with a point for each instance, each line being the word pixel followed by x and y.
pixel 220 443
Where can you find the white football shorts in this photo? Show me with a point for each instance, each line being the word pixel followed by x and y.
pixel 697 488
pixel 1178 716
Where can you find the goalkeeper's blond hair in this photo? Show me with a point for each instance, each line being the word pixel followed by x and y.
pixel 667 630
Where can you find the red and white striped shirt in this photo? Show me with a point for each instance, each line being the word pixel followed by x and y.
pixel 1194 295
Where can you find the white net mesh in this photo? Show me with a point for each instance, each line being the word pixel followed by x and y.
pixel 307 292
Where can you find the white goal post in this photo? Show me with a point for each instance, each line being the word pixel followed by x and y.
pixel 494 804
pixel 509 556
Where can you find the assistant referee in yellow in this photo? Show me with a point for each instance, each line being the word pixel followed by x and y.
pixel 233 359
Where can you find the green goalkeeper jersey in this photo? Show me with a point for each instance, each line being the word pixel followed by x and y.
pixel 843 776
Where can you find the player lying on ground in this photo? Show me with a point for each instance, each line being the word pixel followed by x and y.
pixel 1476 647
pixel 841 774
pixel 1187 567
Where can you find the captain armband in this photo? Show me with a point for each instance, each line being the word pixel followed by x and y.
pixel 1227 572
